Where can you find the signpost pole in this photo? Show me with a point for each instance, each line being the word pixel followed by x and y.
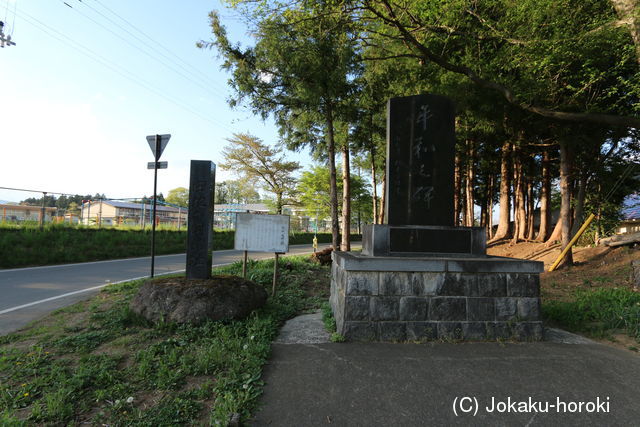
pixel 157 143
pixel 244 265
pixel 275 275
pixel 153 223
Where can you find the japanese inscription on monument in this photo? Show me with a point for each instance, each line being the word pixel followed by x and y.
pixel 420 158
pixel 200 231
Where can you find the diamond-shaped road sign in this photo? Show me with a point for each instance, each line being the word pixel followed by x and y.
pixel 164 140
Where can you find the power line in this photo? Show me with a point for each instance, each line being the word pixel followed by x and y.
pixel 189 68
pixel 142 50
pixel 625 174
pixel 105 62
pixel 15 8
pixel 71 194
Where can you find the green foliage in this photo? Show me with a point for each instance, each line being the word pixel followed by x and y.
pixel 111 367
pixel 248 157
pixel 22 246
pixel 178 196
pixel 327 317
pixel 236 191
pixel 313 190
pixel 598 311
pixel 336 337
pixel 58 243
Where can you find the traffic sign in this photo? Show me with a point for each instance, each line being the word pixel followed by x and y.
pixel 164 140
pixel 161 165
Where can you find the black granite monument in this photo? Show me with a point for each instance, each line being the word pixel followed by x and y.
pixel 419 277
pixel 200 226
pixel 420 169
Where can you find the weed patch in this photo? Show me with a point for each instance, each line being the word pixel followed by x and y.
pixel 98 363
pixel 598 312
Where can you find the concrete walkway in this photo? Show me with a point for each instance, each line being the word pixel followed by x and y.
pixel 377 384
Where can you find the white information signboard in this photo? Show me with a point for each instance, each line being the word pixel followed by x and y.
pixel 262 233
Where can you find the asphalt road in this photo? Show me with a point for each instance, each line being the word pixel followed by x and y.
pixel 27 294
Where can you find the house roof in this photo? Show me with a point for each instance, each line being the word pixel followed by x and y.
pixel 26 207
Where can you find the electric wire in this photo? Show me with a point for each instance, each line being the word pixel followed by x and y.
pixel 206 88
pixel 108 64
pixel 195 72
pixel 72 194
pixel 625 174
pixel 15 8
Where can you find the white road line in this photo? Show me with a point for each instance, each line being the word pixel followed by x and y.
pixel 118 260
pixel 8 310
pixel 84 263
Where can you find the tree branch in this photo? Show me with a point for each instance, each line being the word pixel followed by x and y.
pixel 606 119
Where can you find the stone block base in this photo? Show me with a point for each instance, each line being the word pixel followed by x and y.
pixel 417 299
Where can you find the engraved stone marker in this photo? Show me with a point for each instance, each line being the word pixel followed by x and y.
pixel 420 173
pixel 420 160
pixel 200 231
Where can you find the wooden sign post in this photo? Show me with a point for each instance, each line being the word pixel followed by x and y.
pixel 262 233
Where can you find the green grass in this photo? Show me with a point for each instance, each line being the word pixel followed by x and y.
pixel 96 362
pixel 27 245
pixel 598 312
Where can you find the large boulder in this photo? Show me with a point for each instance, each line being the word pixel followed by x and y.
pixel 198 300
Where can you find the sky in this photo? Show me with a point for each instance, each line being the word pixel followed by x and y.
pixel 88 80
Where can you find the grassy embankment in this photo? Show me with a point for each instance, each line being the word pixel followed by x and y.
pixel 595 298
pixel 96 362
pixel 59 243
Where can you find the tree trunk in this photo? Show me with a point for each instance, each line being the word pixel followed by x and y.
pixel 578 213
pixel 530 210
pixel 333 184
pixel 346 199
pixel 383 197
pixel 522 196
pixel 490 182
pixel 374 184
pixel 565 207
pixel 279 203
pixel 469 202
pixel 518 197
pixel 457 180
pixel 545 198
pixel 505 206
pixel 556 234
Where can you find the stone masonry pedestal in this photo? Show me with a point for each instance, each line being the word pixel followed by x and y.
pixel 429 298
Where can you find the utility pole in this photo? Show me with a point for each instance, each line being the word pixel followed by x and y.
pixel 5 40
pixel 100 214
pixel 44 195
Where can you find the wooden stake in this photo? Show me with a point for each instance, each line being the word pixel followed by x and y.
pixel 572 242
pixel 275 275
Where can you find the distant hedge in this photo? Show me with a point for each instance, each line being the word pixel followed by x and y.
pixel 57 244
